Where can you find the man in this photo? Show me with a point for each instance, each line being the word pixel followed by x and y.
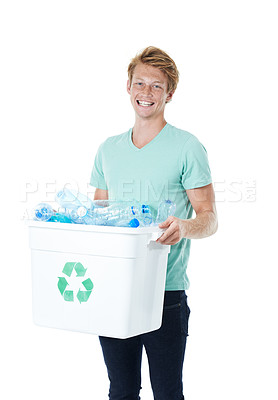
pixel 151 162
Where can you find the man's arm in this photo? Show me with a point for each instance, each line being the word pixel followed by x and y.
pixel 205 224
pixel 101 194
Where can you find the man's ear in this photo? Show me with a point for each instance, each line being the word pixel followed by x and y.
pixel 128 86
pixel 169 96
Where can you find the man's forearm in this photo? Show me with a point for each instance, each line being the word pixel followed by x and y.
pixel 204 225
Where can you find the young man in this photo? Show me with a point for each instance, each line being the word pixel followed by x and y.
pixel 155 161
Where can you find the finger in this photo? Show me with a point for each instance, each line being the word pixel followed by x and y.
pixel 172 239
pixel 166 234
pixel 165 223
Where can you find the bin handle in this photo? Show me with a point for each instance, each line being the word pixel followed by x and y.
pixel 155 235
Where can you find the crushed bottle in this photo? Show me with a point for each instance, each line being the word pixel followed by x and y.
pixel 116 213
pixel 165 209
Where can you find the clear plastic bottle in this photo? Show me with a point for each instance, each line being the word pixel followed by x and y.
pixel 75 206
pixel 77 215
pixel 146 215
pixel 43 212
pixel 165 209
pixel 70 198
pixel 115 213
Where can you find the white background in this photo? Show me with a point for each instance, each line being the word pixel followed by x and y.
pixel 63 91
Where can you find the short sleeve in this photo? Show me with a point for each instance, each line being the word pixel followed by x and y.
pixel 97 176
pixel 195 166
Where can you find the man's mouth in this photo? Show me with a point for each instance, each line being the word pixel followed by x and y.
pixel 144 103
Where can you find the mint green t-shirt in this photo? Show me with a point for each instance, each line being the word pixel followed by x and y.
pixel 165 168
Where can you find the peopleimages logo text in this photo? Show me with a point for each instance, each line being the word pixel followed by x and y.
pixel 31 191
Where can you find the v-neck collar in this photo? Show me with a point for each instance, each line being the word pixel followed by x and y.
pixel 155 139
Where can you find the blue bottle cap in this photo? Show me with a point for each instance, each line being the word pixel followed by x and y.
pixel 145 209
pixel 134 223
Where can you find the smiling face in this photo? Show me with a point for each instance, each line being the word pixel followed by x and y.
pixel 148 91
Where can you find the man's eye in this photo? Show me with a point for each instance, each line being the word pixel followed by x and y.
pixel 157 87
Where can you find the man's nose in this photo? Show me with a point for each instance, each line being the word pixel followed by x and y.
pixel 147 89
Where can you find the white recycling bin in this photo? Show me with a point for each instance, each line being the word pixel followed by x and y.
pixel 107 281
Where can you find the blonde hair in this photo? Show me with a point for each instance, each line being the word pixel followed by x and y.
pixel 159 59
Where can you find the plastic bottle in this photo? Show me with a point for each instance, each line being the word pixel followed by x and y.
pixel 115 214
pixel 43 212
pixel 77 215
pixel 70 198
pixel 146 215
pixel 75 205
pixel 165 209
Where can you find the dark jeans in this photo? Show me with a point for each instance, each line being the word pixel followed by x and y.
pixel 164 347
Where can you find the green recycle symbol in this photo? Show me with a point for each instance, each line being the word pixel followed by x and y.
pixel 68 295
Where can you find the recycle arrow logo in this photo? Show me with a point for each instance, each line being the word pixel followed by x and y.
pixel 68 295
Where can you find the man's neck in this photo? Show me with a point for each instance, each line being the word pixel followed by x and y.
pixel 145 130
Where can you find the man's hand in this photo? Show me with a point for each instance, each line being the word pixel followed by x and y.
pixel 204 225
pixel 175 230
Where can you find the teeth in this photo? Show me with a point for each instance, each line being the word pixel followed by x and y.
pixel 144 103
